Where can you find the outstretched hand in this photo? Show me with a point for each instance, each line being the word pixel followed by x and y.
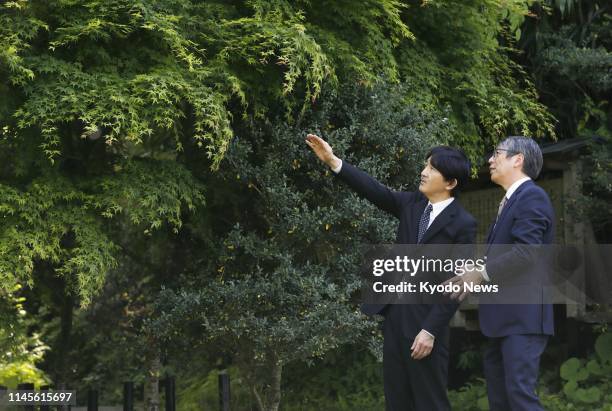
pixel 322 150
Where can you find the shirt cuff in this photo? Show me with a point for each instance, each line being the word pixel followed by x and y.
pixel 337 169
pixel 428 333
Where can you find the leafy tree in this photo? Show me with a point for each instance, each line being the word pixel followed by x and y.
pixel 88 139
pixel 117 116
pixel 463 56
pixel 146 78
pixel 567 49
pixel 281 289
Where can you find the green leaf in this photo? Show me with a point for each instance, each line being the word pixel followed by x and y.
pixel 483 403
pixel 594 368
pixel 603 347
pixel 570 369
pixel 570 388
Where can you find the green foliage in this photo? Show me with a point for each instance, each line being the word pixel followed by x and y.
pixel 585 66
pixel 603 348
pixel 585 385
pixel 61 220
pixel 184 64
pixel 151 70
pixel 148 78
pixel 469 359
pixel 471 397
pixel 17 28
pixel 16 372
pixel 135 102
pixel 36 222
pixel 280 289
pixel 344 380
pixel 587 382
pixel 19 351
pixel 594 201
pixel 201 392
pixel 567 49
pixel 463 56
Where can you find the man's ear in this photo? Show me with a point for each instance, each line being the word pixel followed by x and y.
pixel 519 159
pixel 451 184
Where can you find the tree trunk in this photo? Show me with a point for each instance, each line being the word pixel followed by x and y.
pixel 151 386
pixel 64 344
pixel 268 395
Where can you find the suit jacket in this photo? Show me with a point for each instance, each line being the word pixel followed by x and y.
pixel 453 225
pixel 527 218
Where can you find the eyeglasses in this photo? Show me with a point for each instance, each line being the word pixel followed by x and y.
pixel 497 152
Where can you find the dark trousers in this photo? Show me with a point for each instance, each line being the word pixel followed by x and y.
pixel 511 366
pixel 418 385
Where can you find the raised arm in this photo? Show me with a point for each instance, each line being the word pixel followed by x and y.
pixel 362 183
pixel 323 151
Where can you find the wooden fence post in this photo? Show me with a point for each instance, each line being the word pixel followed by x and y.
pixel 45 407
pixel 92 400
pixel 128 396
pixel 170 394
pixel 30 387
pixel 224 391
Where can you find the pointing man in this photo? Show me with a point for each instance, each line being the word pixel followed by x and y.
pixel 415 351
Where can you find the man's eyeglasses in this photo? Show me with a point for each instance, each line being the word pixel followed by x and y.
pixel 498 151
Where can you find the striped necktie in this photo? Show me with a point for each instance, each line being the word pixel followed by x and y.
pixel 502 203
pixel 424 222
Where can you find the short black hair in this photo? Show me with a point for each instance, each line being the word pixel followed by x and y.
pixel 452 163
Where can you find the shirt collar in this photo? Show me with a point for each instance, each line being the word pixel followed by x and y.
pixel 514 186
pixel 440 205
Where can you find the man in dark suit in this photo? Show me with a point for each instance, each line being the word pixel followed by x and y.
pixel 517 332
pixel 415 351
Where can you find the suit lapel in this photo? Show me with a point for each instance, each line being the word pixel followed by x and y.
pixel 443 219
pixel 490 232
pixel 505 211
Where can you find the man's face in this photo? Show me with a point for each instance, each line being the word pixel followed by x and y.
pixel 432 181
pixel 503 164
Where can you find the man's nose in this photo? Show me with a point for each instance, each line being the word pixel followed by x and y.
pixel 492 159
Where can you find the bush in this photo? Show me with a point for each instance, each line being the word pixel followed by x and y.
pixel 586 385
pixel 587 382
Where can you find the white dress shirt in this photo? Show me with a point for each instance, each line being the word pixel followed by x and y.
pixel 514 186
pixel 437 208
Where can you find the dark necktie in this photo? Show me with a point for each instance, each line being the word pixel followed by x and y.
pixel 424 222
